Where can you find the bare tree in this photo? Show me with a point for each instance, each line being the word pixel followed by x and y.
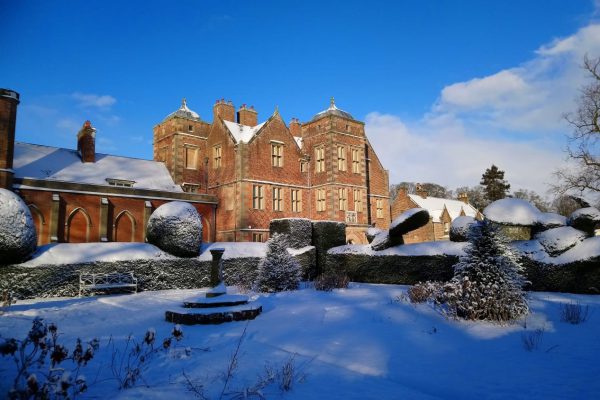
pixel 583 145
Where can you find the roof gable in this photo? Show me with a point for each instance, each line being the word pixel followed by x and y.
pixel 436 206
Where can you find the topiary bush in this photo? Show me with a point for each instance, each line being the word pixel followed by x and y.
pixel 176 228
pixel 278 271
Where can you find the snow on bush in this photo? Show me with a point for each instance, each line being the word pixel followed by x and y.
pixel 278 271
pixel 18 238
pixel 459 228
pixel 408 221
pixel 512 212
pixel 585 219
pixel 551 220
pixel 176 228
pixel 297 230
pixel 488 280
pixel 558 240
pixel 372 232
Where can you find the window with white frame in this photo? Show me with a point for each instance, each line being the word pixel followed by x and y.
pixel 277 199
pixel 321 204
pixel 258 198
pixel 356 161
pixel 320 159
pixel 341 157
pixel 217 156
pixel 357 194
pixel 343 199
pixel 379 206
pixel 296 200
pixel 277 154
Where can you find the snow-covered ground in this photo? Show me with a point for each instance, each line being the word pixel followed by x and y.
pixel 357 343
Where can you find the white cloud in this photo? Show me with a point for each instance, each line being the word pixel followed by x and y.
pixel 94 100
pixel 512 118
pixel 530 97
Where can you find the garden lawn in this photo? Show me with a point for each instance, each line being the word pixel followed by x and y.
pixel 357 343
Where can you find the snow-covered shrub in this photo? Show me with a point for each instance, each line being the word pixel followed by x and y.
pixel 558 240
pixel 278 271
pixel 18 238
pixel 511 211
pixel 585 219
pixel 424 291
pixel 408 221
pixel 176 228
pixel 459 228
pixel 372 232
pixel 332 279
pixel 383 241
pixel 488 281
pixel 39 361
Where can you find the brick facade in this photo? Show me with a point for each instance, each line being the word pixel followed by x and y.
pixel 254 185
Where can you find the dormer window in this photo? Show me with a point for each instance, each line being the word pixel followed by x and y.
pixel 119 182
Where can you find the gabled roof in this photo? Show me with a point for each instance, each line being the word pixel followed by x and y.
pixel 242 133
pixel 59 164
pixel 332 110
pixel 436 205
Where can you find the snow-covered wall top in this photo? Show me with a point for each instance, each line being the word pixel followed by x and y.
pixel 58 164
pixel 416 249
pixel 435 206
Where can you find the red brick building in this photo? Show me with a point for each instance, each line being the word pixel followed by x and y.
pixel 323 169
pixel 441 213
pixel 84 196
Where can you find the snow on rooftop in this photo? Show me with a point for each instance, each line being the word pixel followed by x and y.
pixel 435 207
pixel 59 164
pixel 242 133
pixel 77 253
pixel 299 141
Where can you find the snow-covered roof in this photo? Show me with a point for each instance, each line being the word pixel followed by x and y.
pixel 242 133
pixel 58 164
pixel 435 206
pixel 333 110
pixel 299 140
pixel 184 112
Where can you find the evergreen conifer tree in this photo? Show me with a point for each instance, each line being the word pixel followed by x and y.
pixel 495 186
pixel 278 271
pixel 488 280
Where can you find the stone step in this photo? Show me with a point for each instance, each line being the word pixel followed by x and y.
pixel 226 300
pixel 207 316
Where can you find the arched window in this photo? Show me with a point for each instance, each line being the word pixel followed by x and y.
pixel 78 226
pixel 39 221
pixel 124 227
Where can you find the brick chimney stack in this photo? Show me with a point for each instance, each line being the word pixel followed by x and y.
pixel 464 197
pixel 9 99
pixel 420 190
pixel 295 127
pixel 225 110
pixel 247 116
pixel 86 142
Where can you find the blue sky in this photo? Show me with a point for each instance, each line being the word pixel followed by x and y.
pixel 445 87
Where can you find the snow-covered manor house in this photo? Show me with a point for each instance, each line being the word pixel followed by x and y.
pixel 237 172
pixel 323 169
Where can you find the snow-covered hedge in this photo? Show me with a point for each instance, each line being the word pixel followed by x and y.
pixel 298 231
pixel 558 240
pixel 176 227
pixel 18 238
pixel 459 228
pixel 585 219
pixel 404 264
pixel 327 234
